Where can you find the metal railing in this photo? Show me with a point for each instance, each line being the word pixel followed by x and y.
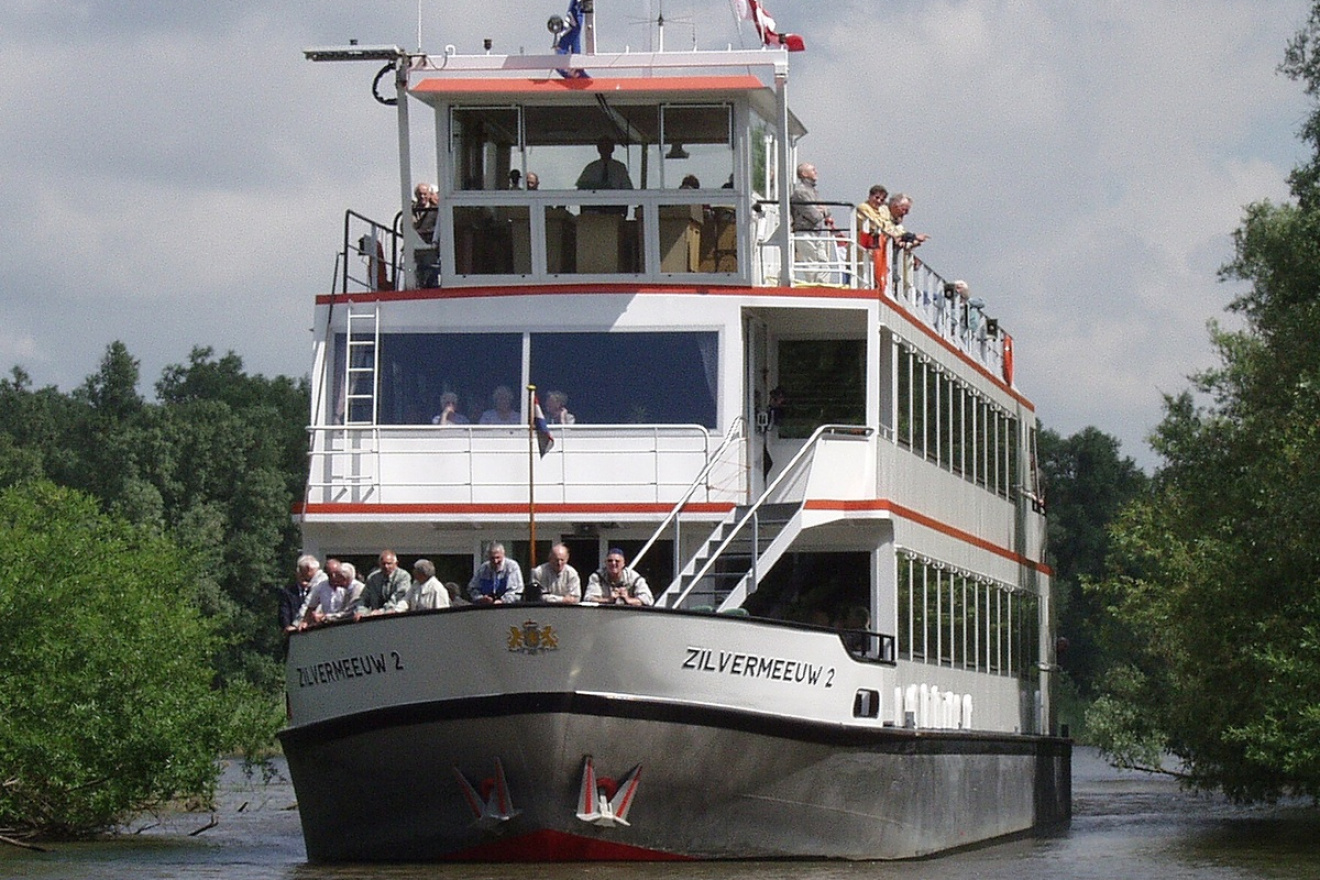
pixel 789 486
pixel 474 464
pixel 733 436
pixel 835 258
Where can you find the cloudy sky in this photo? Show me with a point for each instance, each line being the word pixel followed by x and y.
pixel 175 174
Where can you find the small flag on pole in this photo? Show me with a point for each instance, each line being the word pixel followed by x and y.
pixel 755 12
pixel 544 439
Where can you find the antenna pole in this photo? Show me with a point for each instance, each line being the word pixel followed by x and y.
pixel 589 26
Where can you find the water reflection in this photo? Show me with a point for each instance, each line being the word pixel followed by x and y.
pixel 1125 825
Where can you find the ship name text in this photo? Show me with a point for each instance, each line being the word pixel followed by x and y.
pixel 332 671
pixel 757 666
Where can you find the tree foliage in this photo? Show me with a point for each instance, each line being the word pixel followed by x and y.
pixel 215 463
pixel 1087 482
pixel 1216 574
pixel 108 705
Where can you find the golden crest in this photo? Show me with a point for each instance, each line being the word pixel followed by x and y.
pixel 532 638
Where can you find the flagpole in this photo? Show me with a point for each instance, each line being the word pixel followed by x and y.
pixel 531 474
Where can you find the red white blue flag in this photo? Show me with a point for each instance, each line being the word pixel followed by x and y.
pixel 544 439
pixel 755 12
pixel 569 40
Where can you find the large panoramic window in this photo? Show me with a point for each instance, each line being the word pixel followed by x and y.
pixel 608 378
pixel 630 378
pixel 418 370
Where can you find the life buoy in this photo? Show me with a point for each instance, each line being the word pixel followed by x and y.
pixel 1008 359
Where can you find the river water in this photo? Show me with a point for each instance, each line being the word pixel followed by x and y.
pixel 1125 825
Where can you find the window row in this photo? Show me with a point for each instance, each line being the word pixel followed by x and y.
pixel 480 378
pixel 609 145
pixel 944 421
pixel 950 618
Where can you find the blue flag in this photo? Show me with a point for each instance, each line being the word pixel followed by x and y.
pixel 544 439
pixel 570 39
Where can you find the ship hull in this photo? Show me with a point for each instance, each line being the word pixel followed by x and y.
pixel 473 773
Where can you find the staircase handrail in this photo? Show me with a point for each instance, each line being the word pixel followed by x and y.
pixel 735 433
pixel 805 453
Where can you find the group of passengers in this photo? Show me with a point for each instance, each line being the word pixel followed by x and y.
pixel 879 223
pixel 336 593
pixel 502 411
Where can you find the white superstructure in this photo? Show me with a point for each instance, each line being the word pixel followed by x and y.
pixel 892 497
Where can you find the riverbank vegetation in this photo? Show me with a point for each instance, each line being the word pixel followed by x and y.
pixel 110 704
pixel 1214 575
pixel 141 547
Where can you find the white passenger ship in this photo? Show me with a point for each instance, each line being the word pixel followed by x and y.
pixel 851 651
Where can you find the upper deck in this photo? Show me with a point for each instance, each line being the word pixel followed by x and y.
pixel 647 273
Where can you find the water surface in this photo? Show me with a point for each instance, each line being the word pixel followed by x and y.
pixel 1125 825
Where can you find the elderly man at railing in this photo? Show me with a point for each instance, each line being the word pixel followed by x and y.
pixel 816 246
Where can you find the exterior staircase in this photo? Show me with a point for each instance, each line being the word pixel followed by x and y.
pixel 747 543
pixel 744 546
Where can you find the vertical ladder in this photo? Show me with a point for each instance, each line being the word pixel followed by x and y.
pixel 361 362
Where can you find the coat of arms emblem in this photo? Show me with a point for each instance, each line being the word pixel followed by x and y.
pixel 532 638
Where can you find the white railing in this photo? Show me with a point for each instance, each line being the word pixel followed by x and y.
pixel 834 258
pixel 478 464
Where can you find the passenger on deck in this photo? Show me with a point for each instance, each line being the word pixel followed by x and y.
pixel 515 176
pixel 503 412
pixel 353 587
pixel 605 172
pixel 456 597
pixel 336 598
pixel 425 207
pixel 386 585
pixel 294 595
pixel 810 217
pixel 616 584
pixel 891 222
pixel 449 414
pixel 556 579
pixel 426 258
pixel 870 217
pixel 556 409
pixel 497 581
pixel 425 592
pixel 325 598
pixel 690 182
pixel 533 182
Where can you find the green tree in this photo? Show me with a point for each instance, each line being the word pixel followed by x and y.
pixel 1087 482
pixel 108 705
pixel 215 462
pixel 1216 574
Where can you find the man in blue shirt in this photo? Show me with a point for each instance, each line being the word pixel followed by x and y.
pixel 498 580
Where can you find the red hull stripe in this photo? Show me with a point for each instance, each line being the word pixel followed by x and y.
pixel 883 505
pixel 557 846
pixel 609 86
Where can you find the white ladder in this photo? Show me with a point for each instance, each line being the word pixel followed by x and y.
pixel 361 364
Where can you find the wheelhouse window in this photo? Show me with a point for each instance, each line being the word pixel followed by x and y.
pixel 485 146
pixel 612 158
